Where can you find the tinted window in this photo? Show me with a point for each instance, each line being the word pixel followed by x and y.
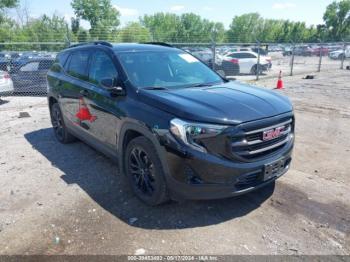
pixel 78 64
pixel 248 55
pixel 101 67
pixel 33 66
pixel 238 55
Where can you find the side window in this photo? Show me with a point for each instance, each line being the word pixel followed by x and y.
pixel 32 66
pixel 238 55
pixel 78 64
pixel 248 55
pixel 102 67
pixel 61 58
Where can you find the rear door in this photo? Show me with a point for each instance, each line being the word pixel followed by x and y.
pixel 71 82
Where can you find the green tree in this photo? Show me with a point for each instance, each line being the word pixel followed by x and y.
pixel 185 28
pixel 101 15
pixel 162 26
pixel 243 28
pixel 337 20
pixel 133 32
pixel 75 25
pixel 6 4
pixel 83 35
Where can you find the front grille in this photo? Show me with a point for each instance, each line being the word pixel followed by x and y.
pixel 263 141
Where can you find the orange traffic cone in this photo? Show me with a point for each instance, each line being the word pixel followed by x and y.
pixel 279 81
pixel 84 113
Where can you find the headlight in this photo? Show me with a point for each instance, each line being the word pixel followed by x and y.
pixel 191 133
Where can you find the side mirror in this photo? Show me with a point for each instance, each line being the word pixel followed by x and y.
pixel 112 86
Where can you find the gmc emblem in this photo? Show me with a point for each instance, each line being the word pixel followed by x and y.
pixel 272 133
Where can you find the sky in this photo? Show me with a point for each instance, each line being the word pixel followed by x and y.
pixel 309 11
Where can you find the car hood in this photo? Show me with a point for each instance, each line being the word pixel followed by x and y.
pixel 229 103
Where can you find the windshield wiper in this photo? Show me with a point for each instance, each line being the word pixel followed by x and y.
pixel 155 88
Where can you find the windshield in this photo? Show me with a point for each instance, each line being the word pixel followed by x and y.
pixel 166 69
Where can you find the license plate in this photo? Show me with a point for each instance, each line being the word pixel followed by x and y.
pixel 273 169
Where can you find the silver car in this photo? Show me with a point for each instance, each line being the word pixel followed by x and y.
pixel 6 85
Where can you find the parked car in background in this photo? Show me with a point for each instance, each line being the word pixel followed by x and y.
pixel 340 54
pixel 236 49
pixel 6 85
pixel 287 51
pixel 303 51
pixel 30 77
pixel 261 50
pixel 5 60
pixel 320 50
pixel 244 63
pixel 275 48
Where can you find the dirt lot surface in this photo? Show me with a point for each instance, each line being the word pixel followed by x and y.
pixel 68 199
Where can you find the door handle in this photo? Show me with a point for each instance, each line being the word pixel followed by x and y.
pixel 84 92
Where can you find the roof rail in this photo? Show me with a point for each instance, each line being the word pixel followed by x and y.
pixel 92 43
pixel 157 43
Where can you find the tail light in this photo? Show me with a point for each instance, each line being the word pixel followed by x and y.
pixel 234 61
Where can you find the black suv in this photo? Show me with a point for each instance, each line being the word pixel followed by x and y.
pixel 177 129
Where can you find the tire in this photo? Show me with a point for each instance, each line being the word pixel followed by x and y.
pixel 254 69
pixel 59 127
pixel 144 172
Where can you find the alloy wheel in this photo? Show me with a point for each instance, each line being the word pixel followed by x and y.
pixel 142 171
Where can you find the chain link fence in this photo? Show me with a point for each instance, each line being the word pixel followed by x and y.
pixel 23 66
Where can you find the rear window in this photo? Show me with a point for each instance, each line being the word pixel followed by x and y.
pixel 30 67
pixel 78 63
pixel 248 55
pixel 238 55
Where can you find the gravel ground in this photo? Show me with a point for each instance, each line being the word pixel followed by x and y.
pixel 68 199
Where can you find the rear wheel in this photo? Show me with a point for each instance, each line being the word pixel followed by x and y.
pixel 58 125
pixel 145 172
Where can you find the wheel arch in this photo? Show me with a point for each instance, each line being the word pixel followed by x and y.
pixel 52 100
pixel 131 130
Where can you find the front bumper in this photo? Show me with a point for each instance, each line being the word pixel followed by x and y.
pixel 197 175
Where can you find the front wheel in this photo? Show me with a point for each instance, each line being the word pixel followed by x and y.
pixel 145 172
